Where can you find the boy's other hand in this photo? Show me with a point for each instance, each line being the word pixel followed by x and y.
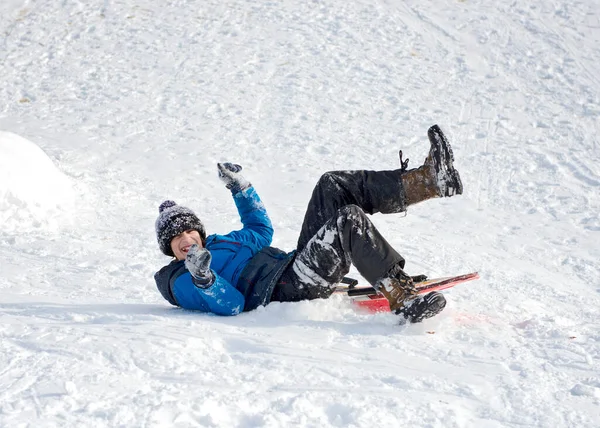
pixel 197 262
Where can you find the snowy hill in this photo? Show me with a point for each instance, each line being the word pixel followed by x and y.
pixel 132 103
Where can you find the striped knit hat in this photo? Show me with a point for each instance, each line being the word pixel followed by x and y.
pixel 172 220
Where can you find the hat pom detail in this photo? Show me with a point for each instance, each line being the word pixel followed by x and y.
pixel 165 205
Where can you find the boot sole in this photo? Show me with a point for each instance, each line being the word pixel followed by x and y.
pixel 431 305
pixel 448 179
pixel 434 308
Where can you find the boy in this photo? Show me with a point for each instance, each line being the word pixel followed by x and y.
pixel 228 274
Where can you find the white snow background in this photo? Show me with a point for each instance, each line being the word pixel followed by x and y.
pixel 134 102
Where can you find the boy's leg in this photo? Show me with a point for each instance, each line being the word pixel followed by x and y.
pixel 372 191
pixel 348 238
pixel 383 191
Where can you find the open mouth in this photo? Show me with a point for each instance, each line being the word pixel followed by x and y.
pixel 185 249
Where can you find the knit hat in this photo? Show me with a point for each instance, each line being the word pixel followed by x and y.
pixel 173 220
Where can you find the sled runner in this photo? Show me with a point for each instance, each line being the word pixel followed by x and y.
pixel 368 298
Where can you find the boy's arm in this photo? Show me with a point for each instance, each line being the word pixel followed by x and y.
pixel 209 289
pixel 176 284
pixel 253 216
pixel 220 298
pixel 252 211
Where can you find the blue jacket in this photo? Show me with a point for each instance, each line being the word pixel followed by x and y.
pixel 246 268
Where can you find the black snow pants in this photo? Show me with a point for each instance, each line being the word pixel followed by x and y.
pixel 337 233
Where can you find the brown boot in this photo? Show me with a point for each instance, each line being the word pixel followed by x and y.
pixel 437 176
pixel 397 287
pixel 396 292
pixel 420 184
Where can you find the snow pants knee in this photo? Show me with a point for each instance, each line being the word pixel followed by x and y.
pixel 337 233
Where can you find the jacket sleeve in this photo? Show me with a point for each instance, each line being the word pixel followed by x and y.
pixel 258 228
pixel 175 284
pixel 220 298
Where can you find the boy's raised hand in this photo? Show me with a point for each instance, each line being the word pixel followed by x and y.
pixel 229 173
pixel 197 262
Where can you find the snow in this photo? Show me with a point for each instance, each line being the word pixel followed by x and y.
pixel 32 190
pixel 122 105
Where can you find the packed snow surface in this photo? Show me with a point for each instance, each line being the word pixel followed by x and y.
pixel 121 105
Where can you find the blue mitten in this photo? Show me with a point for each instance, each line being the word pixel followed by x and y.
pixel 197 262
pixel 229 173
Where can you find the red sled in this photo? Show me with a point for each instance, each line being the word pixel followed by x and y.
pixel 368 298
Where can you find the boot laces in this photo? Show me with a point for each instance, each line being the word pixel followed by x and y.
pixel 403 163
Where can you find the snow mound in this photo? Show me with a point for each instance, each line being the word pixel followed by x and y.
pixel 33 192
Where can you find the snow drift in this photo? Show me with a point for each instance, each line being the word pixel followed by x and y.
pixel 33 192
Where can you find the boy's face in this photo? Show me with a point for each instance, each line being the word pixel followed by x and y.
pixel 180 245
